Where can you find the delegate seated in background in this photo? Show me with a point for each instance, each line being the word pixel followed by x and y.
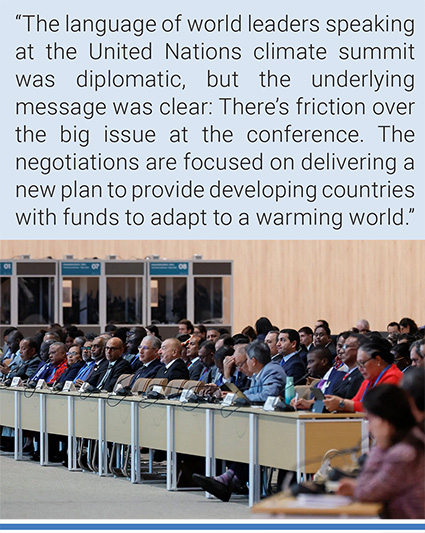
pixel 394 472
pixel 173 366
pixel 288 343
pixel 57 365
pixel 30 361
pixel 117 365
pixel 75 364
pixel 319 365
pixel 353 379
pixel 149 358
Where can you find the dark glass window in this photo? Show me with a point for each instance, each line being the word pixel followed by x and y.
pixel 36 297
pixel 168 300
pixel 208 300
pixel 5 300
pixel 81 300
pixel 124 300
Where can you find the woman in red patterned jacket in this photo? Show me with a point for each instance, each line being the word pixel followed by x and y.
pixel 376 365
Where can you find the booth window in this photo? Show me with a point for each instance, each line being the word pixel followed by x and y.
pixel 124 302
pixel 5 300
pixel 36 300
pixel 80 300
pixel 168 299
pixel 209 300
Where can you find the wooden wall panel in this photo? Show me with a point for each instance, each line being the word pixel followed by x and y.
pixel 292 282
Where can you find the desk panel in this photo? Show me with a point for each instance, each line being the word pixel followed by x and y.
pixel 30 410
pixel 324 435
pixel 277 442
pixel 57 414
pixel 118 421
pixel 189 432
pixel 7 408
pixel 86 417
pixel 152 425
pixel 231 435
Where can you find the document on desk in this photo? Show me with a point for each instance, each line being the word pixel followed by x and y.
pixel 322 500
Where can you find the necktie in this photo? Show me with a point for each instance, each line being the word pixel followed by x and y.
pixel 85 372
pixel 320 384
pixel 105 377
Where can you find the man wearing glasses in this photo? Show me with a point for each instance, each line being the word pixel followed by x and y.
pixel 349 386
pixel 115 367
pixel 95 364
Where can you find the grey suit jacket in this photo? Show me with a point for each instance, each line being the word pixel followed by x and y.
pixel 270 381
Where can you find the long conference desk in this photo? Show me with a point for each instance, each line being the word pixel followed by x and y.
pixel 292 441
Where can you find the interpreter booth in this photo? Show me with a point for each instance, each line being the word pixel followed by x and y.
pixel 99 292
pixel 199 290
pixel 29 294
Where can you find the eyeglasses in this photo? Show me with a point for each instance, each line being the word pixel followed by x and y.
pixel 362 364
pixel 347 346
pixel 240 365
pixel 112 348
pixel 86 348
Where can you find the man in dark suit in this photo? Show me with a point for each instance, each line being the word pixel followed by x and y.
pixel 322 338
pixel 30 361
pixel 195 367
pixel 320 366
pixel 206 355
pixel 288 343
pixel 349 386
pixel 149 358
pixel 99 366
pixel 306 342
pixel 174 367
pixel 271 341
pixel 116 366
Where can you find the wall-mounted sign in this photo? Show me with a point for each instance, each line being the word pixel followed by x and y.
pixel 169 268
pixel 86 268
pixel 6 268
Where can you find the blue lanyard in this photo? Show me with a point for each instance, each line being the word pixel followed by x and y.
pixel 378 379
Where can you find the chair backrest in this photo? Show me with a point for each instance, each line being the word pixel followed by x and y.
pixel 161 382
pixel 194 385
pixel 304 390
pixel 174 386
pixel 123 381
pixel 140 385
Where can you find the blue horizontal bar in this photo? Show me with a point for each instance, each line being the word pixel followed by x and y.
pixel 267 526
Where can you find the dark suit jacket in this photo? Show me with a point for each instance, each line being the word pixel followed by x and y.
pixel 295 367
pixel 98 370
pixel 71 373
pixel 195 370
pixel 350 385
pixel 302 352
pixel 149 371
pixel 178 370
pixel 26 369
pixel 120 367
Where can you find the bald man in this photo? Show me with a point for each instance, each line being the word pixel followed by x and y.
pixel 174 367
pixel 116 366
